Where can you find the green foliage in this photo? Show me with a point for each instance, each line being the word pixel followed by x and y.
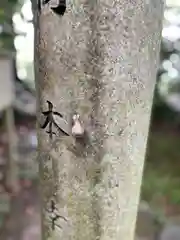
pixel 175 194
pixel 6 41
pixel 6 11
pixel 13 2
pixel 161 175
pixel 163 152
pixel 161 112
pixel 155 186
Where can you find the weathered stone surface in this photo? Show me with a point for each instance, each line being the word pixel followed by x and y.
pixel 101 63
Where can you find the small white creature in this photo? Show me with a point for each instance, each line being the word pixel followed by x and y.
pixel 77 126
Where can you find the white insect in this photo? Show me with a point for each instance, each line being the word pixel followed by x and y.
pixel 77 126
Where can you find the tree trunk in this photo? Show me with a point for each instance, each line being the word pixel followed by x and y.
pixel 100 61
pixel 12 166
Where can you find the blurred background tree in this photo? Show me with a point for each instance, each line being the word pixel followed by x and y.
pixel 16 40
pixel 161 182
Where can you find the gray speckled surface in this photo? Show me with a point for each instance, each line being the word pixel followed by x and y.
pixel 100 62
